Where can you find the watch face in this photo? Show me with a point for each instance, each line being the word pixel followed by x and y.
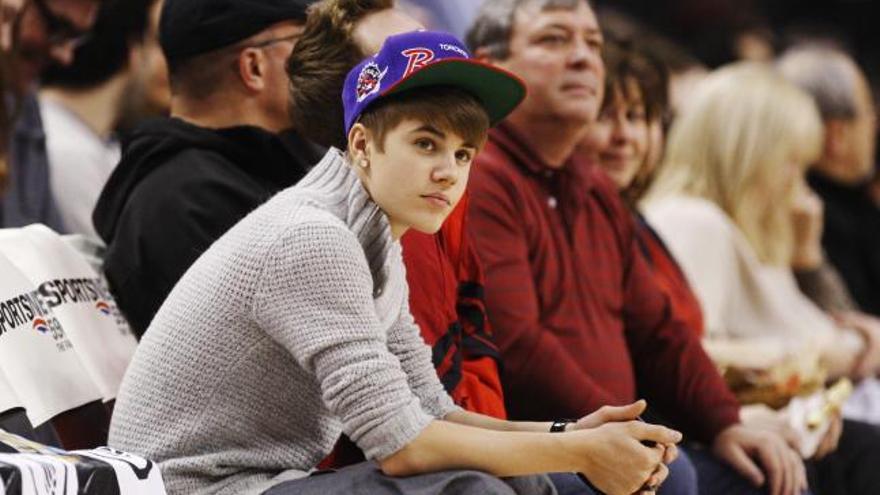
pixel 558 426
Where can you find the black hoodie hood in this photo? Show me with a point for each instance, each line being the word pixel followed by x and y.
pixel 278 159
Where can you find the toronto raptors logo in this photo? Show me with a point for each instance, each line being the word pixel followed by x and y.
pixel 418 58
pixel 369 81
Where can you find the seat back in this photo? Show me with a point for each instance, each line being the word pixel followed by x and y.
pixel 79 298
pixel 37 359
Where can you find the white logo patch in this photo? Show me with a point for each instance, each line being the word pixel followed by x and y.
pixel 369 81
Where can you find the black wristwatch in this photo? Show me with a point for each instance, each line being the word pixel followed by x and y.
pixel 559 425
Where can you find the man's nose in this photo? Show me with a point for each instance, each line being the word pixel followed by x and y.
pixel 580 53
pixel 446 171
pixel 63 52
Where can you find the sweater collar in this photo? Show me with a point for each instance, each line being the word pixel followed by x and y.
pixel 336 185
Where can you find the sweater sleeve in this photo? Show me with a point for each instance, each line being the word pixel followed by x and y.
pixel 824 286
pixel 406 343
pixel 314 298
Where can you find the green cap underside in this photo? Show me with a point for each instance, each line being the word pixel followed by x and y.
pixel 498 92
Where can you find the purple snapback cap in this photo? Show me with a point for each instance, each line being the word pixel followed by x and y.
pixel 428 58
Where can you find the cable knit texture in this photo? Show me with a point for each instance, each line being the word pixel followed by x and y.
pixel 292 328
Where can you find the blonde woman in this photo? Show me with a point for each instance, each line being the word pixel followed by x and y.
pixel 723 202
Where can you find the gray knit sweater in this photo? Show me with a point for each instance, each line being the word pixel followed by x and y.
pixel 292 328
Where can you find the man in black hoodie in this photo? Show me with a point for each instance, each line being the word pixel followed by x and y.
pixel 184 181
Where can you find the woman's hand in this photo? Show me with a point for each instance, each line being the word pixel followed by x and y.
pixel 868 362
pixel 807 218
pixel 762 417
pixel 745 448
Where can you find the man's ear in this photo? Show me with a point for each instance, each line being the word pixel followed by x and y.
pixel 359 139
pixel 136 58
pixel 251 65
pixel 835 138
pixel 482 54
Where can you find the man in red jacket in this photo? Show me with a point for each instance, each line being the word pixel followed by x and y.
pixel 579 318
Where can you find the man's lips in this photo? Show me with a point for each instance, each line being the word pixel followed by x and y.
pixel 579 88
pixel 438 199
pixel 614 160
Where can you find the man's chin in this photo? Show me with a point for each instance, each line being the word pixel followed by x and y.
pixel 429 228
pixel 26 74
pixel 578 113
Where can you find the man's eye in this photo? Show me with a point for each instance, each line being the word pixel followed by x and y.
pixel 636 115
pixel 425 144
pixel 553 39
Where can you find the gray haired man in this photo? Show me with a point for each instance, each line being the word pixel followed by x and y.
pixel 852 221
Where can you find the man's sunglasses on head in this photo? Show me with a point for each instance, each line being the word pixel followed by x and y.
pixel 60 30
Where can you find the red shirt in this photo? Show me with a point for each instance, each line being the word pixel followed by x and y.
pixel 669 276
pixel 578 316
pixel 446 300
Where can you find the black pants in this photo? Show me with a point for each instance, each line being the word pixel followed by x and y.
pixel 366 478
pixel 15 421
pixel 854 468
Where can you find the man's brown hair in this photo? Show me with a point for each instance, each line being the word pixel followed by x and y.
pixel 202 76
pixel 445 108
pixel 321 59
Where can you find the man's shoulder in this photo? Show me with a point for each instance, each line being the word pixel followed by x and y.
pixel 196 173
pixel 496 167
pixel 196 164
pixel 494 156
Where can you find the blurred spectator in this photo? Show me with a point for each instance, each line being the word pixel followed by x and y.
pixel 149 94
pixel 453 16
pixel 184 181
pixel 685 71
pixel 722 203
pixel 45 31
pixel 81 105
pixel 734 162
pixel 40 31
pixel 626 140
pixel 714 30
pixel 841 175
pixel 579 317
pixel 31 33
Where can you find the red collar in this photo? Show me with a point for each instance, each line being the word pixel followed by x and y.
pixel 575 172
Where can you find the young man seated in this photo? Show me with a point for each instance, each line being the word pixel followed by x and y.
pixel 294 326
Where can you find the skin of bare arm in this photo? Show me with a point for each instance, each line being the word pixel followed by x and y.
pixel 610 454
